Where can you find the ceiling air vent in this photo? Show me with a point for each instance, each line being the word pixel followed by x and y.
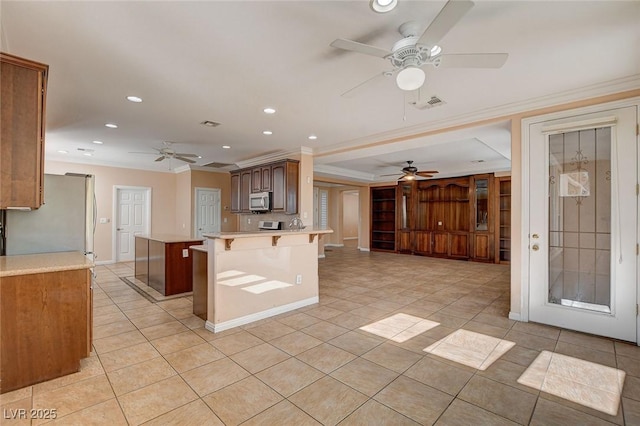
pixel 434 101
pixel 209 123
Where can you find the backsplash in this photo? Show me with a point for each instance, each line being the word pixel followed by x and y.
pixel 255 218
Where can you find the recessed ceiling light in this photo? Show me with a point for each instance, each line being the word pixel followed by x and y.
pixel 267 132
pixel 383 6
pixel 111 125
pixel 88 154
pixel 134 99
pixel 313 137
pixel 199 156
pixel 98 142
pixel 269 110
pixel 62 151
pixel 226 147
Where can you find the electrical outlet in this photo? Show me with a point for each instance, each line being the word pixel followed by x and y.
pixel 224 220
pixel 185 252
pixel 299 279
pixel 249 220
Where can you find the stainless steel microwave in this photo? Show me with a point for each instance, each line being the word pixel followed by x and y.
pixel 260 202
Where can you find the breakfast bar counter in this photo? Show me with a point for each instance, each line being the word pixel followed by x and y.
pixel 257 274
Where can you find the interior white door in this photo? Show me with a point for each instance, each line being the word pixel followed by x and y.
pixel 207 210
pixel 583 225
pixel 132 219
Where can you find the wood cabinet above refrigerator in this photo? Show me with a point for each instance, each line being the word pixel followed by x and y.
pixel 23 86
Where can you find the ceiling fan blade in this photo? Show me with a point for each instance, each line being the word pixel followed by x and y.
pixel 183 159
pixel 160 158
pixel 182 154
pixel 450 14
pixel 354 46
pixel 474 60
pixel 355 90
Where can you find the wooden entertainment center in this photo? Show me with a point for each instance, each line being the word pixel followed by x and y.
pixel 459 218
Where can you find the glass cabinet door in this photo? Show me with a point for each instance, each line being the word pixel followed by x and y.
pixel 482 204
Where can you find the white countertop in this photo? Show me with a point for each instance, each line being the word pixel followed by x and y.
pixel 170 238
pixel 41 263
pixel 200 247
pixel 267 233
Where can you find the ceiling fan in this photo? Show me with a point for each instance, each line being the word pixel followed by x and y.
pixel 168 152
pixel 411 172
pixel 415 50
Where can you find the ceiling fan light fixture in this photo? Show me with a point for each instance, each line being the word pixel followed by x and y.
pixel 410 78
pixel 383 6
pixel 435 50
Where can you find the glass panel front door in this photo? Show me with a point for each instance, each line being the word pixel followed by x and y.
pixel 580 219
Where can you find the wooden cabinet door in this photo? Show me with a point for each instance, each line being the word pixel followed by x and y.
pixel 405 242
pixel 482 247
pixel 235 192
pixel 284 184
pixel 440 243
pixel 422 242
pixel 278 181
pixel 265 178
pixel 459 245
pixel 256 180
pixel 23 87
pixel 245 190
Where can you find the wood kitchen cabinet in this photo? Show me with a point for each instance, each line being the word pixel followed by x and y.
pixel 284 183
pixel 482 242
pixel 45 317
pixel 23 99
pixel 281 178
pixel 167 267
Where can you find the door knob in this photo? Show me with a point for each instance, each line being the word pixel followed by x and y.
pixel 535 236
pixel 535 247
pixel 118 229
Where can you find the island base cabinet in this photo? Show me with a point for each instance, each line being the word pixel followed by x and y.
pixel 45 326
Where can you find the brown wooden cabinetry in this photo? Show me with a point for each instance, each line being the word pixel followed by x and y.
pixel 442 218
pixel 165 268
pixel 483 213
pixel 383 218
pixel 280 178
pixel 22 99
pixel 46 325
pixel 284 183
pixel 503 208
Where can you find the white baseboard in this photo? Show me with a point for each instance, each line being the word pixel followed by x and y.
pixel 216 328
pixel 321 256
pixel 349 238
pixel 334 245
pixel 104 262
pixel 363 249
pixel 515 316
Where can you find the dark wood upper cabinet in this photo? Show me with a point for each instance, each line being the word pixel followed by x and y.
pixel 284 184
pixel 280 178
pixel 23 95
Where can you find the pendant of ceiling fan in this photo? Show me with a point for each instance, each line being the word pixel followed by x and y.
pixel 414 51
pixel 168 153
pixel 411 172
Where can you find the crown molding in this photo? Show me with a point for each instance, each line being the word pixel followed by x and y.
pixel 323 169
pixel 504 111
pixel 275 156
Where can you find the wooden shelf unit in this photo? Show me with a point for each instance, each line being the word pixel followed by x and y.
pixel 503 207
pixel 383 218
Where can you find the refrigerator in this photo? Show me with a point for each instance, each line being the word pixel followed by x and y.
pixel 65 222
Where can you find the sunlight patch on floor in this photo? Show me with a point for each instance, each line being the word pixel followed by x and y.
pixel 399 327
pixel 470 348
pixel 583 382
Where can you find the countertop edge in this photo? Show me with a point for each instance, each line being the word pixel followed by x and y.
pixel 31 264
pixel 253 234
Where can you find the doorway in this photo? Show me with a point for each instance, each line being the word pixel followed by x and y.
pixel 132 211
pixel 350 218
pixel 207 211
pixel 582 221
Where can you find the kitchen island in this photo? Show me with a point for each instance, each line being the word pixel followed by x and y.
pixel 258 274
pixel 45 316
pixel 162 261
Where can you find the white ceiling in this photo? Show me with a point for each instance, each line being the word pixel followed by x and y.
pixel 226 61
